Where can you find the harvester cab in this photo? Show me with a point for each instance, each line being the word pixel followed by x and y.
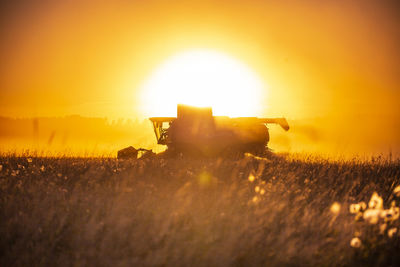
pixel 196 131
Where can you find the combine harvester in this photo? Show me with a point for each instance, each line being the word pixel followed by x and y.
pixel 196 132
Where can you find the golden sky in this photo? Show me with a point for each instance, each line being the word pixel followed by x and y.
pixel 318 58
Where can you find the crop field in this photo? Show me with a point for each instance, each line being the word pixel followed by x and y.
pixel 281 211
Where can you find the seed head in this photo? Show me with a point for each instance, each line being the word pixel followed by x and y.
pixel 354 208
pixel 251 178
pixel 335 208
pixel 392 231
pixel 382 228
pixel 376 202
pixel 355 242
pixel 396 191
pixel 372 215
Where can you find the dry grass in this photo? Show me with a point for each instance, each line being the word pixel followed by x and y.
pixel 181 212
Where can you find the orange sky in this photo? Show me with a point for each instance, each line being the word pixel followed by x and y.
pixel 319 58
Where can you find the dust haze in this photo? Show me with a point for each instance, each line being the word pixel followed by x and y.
pixel 85 136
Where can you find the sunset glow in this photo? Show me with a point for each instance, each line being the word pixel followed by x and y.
pixel 200 133
pixel 203 78
pixel 331 68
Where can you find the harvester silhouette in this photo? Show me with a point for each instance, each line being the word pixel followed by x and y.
pixel 196 132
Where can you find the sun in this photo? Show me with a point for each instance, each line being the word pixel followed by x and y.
pixel 203 78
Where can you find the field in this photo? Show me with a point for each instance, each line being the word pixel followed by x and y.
pixel 282 211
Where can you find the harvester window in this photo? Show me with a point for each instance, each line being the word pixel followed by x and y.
pixel 161 126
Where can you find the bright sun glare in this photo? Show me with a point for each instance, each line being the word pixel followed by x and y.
pixel 203 78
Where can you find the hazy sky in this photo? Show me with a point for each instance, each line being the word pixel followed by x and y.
pixel 90 57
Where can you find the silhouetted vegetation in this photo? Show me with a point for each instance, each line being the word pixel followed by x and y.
pixel 194 212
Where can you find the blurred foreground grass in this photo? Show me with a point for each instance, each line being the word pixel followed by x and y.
pixel 181 212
